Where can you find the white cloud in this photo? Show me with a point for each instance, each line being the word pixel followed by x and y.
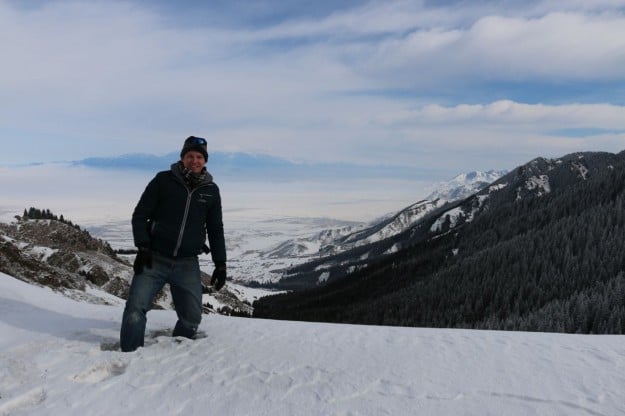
pixel 512 114
pixel 100 78
pixel 559 45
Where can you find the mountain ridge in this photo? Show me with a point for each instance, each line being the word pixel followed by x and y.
pixel 513 256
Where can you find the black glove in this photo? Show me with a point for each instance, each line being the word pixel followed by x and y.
pixel 143 259
pixel 219 276
pixel 206 249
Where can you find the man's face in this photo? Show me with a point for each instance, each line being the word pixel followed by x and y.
pixel 194 161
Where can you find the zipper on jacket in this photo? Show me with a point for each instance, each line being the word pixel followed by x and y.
pixel 184 218
pixel 184 222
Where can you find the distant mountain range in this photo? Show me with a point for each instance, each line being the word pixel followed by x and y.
pixel 242 165
pixel 541 248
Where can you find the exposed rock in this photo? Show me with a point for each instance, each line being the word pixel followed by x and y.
pixel 54 254
pixel 67 259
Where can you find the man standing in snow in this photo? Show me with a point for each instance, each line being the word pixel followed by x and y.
pixel 179 208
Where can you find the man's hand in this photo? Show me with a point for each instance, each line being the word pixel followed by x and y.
pixel 143 259
pixel 219 276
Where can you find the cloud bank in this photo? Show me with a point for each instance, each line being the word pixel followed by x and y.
pixel 446 86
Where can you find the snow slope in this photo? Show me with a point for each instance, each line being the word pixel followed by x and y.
pixel 58 357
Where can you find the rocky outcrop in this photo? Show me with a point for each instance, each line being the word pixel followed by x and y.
pixel 67 259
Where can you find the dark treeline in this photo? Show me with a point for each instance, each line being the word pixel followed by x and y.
pixel 550 263
pixel 45 214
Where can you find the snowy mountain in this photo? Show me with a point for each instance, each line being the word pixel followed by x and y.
pixel 60 357
pixel 430 218
pixel 540 249
pixel 459 187
pixel 534 179
pixel 465 185
pixel 318 254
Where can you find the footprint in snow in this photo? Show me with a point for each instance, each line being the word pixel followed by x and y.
pixel 101 372
pixel 22 401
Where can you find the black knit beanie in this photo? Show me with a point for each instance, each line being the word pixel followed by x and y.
pixel 194 143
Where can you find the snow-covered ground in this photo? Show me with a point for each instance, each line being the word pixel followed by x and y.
pixel 58 357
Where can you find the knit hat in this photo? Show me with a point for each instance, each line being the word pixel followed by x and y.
pixel 194 143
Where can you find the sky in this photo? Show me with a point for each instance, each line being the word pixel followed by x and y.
pixel 60 356
pixel 450 86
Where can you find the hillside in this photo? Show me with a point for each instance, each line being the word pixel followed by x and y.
pixel 56 254
pixel 540 249
pixel 59 255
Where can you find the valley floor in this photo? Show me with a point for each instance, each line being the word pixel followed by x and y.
pixel 59 356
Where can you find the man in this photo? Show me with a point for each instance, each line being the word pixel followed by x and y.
pixel 177 211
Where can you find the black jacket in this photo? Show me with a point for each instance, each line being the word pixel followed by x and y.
pixel 174 220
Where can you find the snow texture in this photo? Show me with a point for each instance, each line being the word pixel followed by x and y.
pixel 60 357
pixel 540 182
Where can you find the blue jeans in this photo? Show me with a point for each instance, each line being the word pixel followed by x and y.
pixel 183 276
